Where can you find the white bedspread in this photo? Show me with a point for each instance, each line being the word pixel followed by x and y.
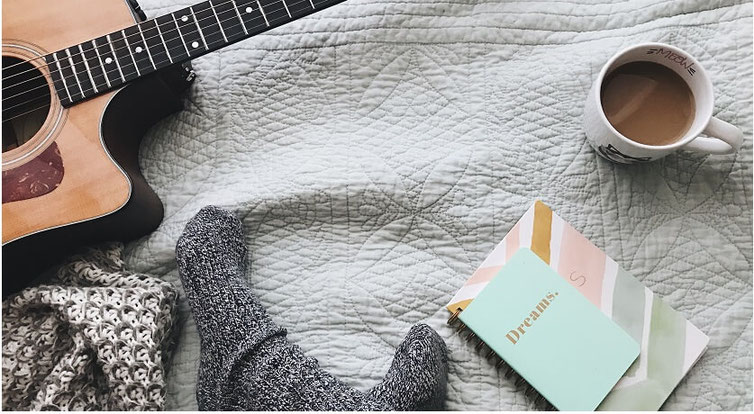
pixel 378 150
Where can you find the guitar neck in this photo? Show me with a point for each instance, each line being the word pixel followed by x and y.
pixel 88 69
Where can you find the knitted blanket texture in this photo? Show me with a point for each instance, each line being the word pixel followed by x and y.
pixel 97 338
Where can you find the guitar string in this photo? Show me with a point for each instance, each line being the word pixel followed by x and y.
pixel 109 43
pixel 90 89
pixel 138 35
pixel 139 40
pixel 75 72
pixel 139 23
pixel 45 97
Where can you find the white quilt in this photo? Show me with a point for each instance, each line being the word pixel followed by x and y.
pixel 377 151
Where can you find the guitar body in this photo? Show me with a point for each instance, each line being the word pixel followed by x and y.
pixel 82 82
pixel 76 180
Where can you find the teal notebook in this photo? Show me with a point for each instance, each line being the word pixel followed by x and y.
pixel 550 334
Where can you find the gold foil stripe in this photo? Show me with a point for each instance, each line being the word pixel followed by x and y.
pixel 542 232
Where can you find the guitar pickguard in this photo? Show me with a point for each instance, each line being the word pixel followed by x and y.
pixel 35 178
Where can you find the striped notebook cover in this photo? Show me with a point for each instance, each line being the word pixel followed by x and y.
pixel 670 345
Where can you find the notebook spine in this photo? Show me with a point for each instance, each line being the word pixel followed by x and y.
pixel 479 346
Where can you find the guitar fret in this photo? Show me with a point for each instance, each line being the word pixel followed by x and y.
pixel 146 46
pixel 179 35
pixel 115 59
pixel 235 6
pixel 88 70
pixel 93 66
pixel 126 68
pixel 301 8
pixel 229 19
pixel 66 73
pixel 130 52
pixel 190 32
pixel 204 17
pixel 79 68
pixel 102 64
pixel 155 44
pixel 250 14
pixel 62 77
pixel 263 14
pixel 138 50
pixel 201 34
pixel 275 14
pixel 167 50
pixel 312 3
pixel 172 37
pixel 112 71
pixel 75 74
pixel 218 21
pixel 56 78
pixel 286 8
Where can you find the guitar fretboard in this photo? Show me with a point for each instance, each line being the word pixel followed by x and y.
pixel 82 71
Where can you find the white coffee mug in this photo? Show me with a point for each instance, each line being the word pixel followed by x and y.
pixel 724 138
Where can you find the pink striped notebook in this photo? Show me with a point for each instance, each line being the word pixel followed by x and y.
pixel 670 345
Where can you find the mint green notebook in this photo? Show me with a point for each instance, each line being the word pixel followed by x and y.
pixel 557 340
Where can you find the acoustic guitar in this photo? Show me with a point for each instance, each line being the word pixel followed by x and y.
pixel 82 81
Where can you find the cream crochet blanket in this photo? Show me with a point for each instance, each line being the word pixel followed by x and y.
pixel 98 338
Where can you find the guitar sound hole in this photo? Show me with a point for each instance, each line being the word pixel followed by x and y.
pixel 26 102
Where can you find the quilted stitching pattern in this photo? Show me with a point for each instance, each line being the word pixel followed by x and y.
pixel 377 151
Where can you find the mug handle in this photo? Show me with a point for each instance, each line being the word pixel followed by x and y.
pixel 726 139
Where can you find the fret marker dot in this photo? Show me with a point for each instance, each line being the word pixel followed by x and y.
pixel 138 49
pixel 248 10
pixel 194 44
pixel 184 18
pixel 108 60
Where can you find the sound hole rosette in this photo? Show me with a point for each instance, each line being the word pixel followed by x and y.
pixel 56 114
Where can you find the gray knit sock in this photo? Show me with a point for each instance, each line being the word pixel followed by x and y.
pixel 246 361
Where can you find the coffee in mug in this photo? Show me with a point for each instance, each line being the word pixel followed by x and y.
pixel 650 100
pixel 648 103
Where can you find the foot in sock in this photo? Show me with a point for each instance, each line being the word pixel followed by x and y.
pixel 246 361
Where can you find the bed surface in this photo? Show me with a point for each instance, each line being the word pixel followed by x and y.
pixel 377 151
